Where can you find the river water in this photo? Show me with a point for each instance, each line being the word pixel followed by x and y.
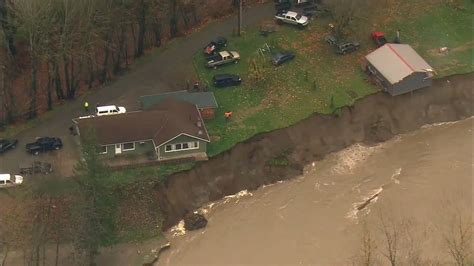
pixel 414 183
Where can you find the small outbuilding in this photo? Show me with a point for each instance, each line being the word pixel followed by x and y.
pixel 399 69
pixel 205 101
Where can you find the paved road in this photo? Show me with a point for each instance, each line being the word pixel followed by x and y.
pixel 166 71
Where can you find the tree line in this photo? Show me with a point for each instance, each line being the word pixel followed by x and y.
pixel 50 49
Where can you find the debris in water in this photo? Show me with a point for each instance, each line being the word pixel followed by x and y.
pixel 362 205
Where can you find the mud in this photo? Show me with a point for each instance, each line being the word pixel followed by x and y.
pixel 370 120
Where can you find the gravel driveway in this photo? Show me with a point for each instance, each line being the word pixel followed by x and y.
pixel 166 71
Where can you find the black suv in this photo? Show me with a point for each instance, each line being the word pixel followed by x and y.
pixel 43 145
pixel 225 80
pixel 7 144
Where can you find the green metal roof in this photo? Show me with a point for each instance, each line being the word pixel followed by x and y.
pixel 201 99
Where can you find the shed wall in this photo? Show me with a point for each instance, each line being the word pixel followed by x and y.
pixel 413 82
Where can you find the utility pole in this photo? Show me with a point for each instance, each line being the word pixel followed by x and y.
pixel 239 29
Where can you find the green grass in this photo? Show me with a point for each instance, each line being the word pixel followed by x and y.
pixel 293 91
pixel 442 25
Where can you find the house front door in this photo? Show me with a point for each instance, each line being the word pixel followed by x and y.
pixel 118 148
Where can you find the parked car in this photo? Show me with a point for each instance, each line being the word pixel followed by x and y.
pixel 222 58
pixel 226 80
pixel 302 2
pixel 291 17
pixel 342 47
pixel 7 144
pixel 282 57
pixel 347 47
pixel 44 144
pixel 35 167
pixel 215 45
pixel 331 40
pixel 109 110
pixel 281 5
pixel 379 38
pixel 10 180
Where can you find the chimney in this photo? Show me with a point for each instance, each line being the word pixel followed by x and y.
pixel 199 124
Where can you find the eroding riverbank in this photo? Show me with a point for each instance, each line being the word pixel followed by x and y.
pixel 373 119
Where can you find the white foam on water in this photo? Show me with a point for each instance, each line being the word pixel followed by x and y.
pixel 207 208
pixel 394 176
pixel 348 159
pixel 178 230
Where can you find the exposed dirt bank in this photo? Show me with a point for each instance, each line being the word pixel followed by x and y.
pixel 373 119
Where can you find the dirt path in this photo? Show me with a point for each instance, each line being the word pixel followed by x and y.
pixel 166 71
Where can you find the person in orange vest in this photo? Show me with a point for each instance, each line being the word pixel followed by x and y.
pixel 227 115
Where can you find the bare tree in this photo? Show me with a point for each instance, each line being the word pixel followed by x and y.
pixel 411 244
pixel 366 254
pixel 391 234
pixel 35 19
pixel 458 239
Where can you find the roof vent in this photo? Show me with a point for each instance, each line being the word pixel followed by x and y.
pixel 199 124
pixel 200 132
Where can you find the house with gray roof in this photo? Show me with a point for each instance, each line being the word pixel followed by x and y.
pixel 205 101
pixel 172 130
pixel 399 69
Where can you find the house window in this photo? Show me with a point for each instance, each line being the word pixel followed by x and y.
pixel 103 149
pixel 182 146
pixel 130 146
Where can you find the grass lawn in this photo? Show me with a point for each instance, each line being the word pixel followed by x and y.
pixel 319 81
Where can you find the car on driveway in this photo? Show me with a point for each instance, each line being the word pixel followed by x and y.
pixel 43 145
pixel 215 45
pixel 222 58
pixel 281 57
pixel 7 144
pixel 226 80
pixel 10 180
pixel 291 17
pixel 109 110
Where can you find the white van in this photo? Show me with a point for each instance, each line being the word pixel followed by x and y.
pixel 109 110
pixel 10 180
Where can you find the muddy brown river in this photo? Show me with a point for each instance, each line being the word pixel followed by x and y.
pixel 414 183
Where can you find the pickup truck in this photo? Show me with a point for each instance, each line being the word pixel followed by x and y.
pixel 222 58
pixel 291 17
pixel 44 144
